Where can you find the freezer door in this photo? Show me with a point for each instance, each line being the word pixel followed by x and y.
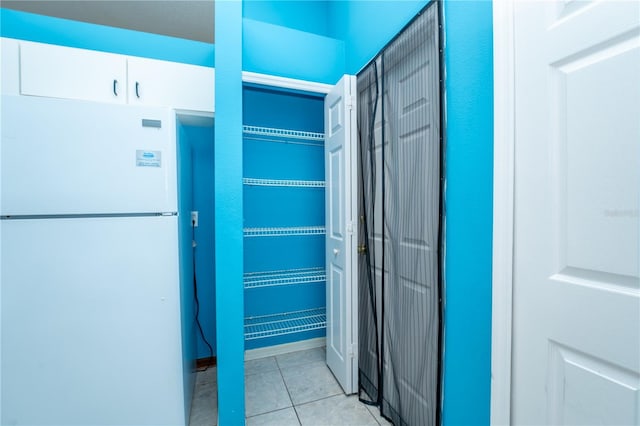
pixel 75 157
pixel 91 322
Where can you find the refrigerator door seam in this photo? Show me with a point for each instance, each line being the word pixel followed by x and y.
pixel 85 215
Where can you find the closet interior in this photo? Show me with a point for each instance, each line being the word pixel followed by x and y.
pixel 284 216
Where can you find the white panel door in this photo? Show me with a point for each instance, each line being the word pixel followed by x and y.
pixel 67 72
pixel 62 156
pixel 576 306
pixel 162 83
pixel 340 144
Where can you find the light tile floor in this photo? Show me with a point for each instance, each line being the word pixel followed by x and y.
pixel 290 389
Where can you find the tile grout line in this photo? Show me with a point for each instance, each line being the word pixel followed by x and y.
pixel 374 417
pixel 277 369
pixel 307 402
pixel 288 393
pixel 295 407
pixel 320 399
pixel 340 394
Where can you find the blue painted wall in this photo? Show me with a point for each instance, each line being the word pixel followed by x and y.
pixel 64 32
pixel 469 214
pixel 285 52
pixel 309 16
pixel 291 39
pixel 287 109
pixel 200 142
pixel 228 213
pixel 366 26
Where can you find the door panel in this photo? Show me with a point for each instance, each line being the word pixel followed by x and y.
pixel 576 332
pixel 335 342
pixel 615 400
pixel 340 246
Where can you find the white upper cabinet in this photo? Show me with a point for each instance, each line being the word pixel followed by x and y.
pixel 39 69
pixel 10 81
pixel 180 86
pixel 66 72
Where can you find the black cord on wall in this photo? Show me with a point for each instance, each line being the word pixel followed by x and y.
pixel 195 294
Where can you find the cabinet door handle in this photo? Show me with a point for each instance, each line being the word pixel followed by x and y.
pixel 115 87
pixel 137 89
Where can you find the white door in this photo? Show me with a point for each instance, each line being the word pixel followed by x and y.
pixel 340 144
pixel 576 303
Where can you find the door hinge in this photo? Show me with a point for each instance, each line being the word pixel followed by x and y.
pixel 350 102
pixel 350 227
pixel 353 350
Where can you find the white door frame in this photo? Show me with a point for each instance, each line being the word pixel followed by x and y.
pixel 322 88
pixel 503 209
pixel 285 82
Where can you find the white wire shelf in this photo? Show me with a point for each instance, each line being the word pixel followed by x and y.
pixel 288 183
pixel 284 232
pixel 284 277
pixel 282 133
pixel 285 323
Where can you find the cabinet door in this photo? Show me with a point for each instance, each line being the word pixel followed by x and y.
pixel 66 72
pixel 162 83
pixel 10 78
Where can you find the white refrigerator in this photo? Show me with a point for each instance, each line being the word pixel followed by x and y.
pixel 90 296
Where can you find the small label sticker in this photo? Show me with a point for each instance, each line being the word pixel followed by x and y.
pixel 148 158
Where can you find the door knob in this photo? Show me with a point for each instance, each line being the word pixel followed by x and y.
pixel 335 252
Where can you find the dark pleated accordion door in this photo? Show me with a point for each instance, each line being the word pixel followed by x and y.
pixel 400 225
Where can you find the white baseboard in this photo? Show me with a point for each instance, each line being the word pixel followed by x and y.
pixel 284 348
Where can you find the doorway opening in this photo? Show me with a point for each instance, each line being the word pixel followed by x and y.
pixel 195 144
